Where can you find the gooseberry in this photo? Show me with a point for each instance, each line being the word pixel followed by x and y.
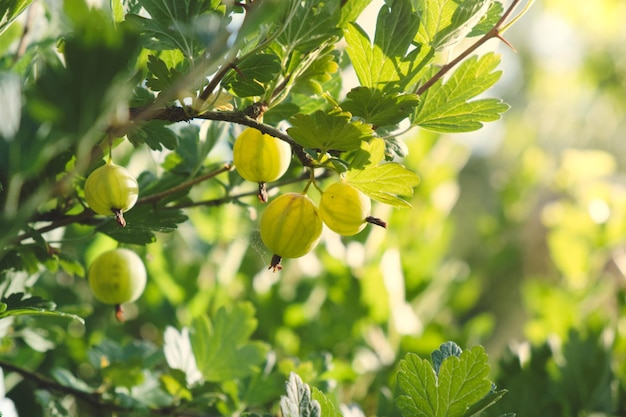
pixel 344 209
pixel 111 189
pixel 117 276
pixel 260 158
pixel 291 227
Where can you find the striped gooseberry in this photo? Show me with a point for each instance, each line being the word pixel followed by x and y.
pixel 291 227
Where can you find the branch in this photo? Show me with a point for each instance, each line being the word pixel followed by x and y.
pixel 493 33
pixel 180 114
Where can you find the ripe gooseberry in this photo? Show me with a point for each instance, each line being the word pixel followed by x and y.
pixel 117 276
pixel 291 227
pixel 260 158
pixel 111 189
pixel 346 210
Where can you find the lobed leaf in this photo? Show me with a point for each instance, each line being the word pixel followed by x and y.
pixel 331 130
pixel 222 347
pixel 445 106
pixel 379 108
pixel 298 402
pixel 461 383
pixel 385 183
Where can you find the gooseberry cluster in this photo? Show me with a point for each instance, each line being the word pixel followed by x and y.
pixel 291 225
pixel 117 276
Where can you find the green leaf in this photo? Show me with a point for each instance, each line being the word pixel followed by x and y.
pixel 331 130
pixel 387 64
pixel 370 153
pixel 18 304
pixel 163 78
pixel 350 10
pixel 487 401
pixel 378 108
pixel 9 10
pixel 446 22
pixel 385 183
pixel 327 408
pixel 298 402
pixel 155 134
pixel 117 9
pixel 222 347
pixel 462 381
pixel 445 106
pixel 489 20
pixel 252 72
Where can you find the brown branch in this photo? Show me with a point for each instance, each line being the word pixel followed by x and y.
pixel 493 33
pixel 179 114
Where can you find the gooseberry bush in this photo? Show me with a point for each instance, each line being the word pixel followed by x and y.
pixel 126 123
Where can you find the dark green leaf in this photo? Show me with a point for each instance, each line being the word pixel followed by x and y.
pixel 331 130
pixel 251 73
pixel 17 304
pixel 310 24
pixel 378 108
pixel 155 134
pixel 445 106
pixel 162 77
pixel 141 224
pixel 445 351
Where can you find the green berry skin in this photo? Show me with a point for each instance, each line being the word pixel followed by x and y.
pixel 344 209
pixel 117 276
pixel 110 189
pixel 291 225
pixel 260 157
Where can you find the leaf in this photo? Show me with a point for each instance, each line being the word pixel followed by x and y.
pixel 155 134
pixel 327 408
pixel 489 20
pixel 141 224
pixel 462 381
pixel 378 108
pixel 387 64
pixel 179 354
pixel 385 183
pixel 446 22
pixel 370 153
pixel 331 130
pixel 445 106
pixel 222 347
pixel 310 23
pixel 446 350
pixel 9 10
pixel 163 78
pixel 250 75
pixel 298 401
pixel 18 304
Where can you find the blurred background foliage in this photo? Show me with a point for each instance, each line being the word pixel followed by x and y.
pixel 516 241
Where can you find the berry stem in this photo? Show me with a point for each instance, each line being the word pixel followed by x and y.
pixel 376 221
pixel 262 195
pixel 119 217
pixel 119 313
pixel 275 263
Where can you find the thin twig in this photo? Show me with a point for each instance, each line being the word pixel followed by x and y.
pixel 183 186
pixel 493 33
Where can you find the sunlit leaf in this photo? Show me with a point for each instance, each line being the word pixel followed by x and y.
pixel 385 183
